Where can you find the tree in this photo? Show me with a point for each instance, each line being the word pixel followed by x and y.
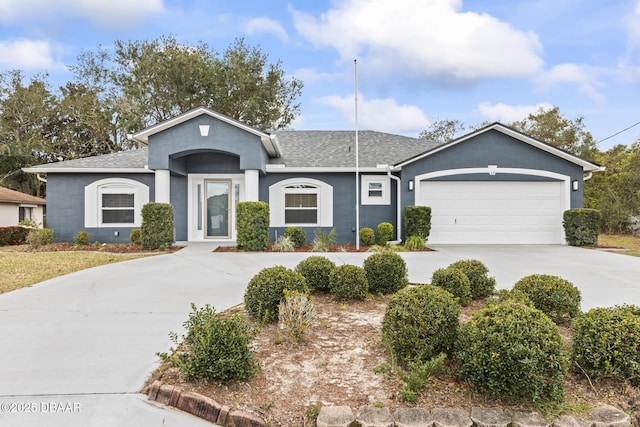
pixel 153 80
pixel 25 118
pixel 443 130
pixel 553 128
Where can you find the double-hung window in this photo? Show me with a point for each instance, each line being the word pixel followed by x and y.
pixel 301 204
pixel 118 208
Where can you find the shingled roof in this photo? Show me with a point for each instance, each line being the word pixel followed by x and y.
pixel 328 148
pixel 12 196
pixel 126 160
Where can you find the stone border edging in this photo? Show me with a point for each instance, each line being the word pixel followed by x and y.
pixel 202 406
pixel 372 416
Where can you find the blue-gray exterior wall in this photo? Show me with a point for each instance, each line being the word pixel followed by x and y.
pixel 344 202
pixel 492 148
pixel 65 206
pixel 167 147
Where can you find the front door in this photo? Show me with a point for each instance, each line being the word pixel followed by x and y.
pixel 217 209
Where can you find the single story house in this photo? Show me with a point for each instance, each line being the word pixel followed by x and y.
pixel 16 207
pixel 494 185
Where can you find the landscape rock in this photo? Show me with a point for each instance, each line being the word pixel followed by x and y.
pixel 447 417
pixel 489 417
pixel 372 416
pixel 335 416
pixel 609 416
pixel 571 421
pixel 528 419
pixel 413 417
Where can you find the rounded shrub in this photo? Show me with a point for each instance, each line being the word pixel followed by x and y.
pixel 348 282
pixel 82 238
pixel 266 290
pixel 420 323
pixel 135 236
pixel 481 284
pixel 385 233
pixel 386 272
pixel 557 298
pixel 297 235
pixel 367 236
pixel 316 270
pixel 513 350
pixel 455 281
pixel 606 342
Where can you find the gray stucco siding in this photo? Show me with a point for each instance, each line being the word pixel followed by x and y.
pixel 344 218
pixel 65 206
pixel 492 148
pixel 223 137
pixel 179 200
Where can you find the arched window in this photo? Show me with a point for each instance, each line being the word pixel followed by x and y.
pixel 114 202
pixel 301 201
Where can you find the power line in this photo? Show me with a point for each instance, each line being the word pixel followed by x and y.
pixel 619 132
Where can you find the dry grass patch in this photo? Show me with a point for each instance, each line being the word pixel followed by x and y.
pixel 629 244
pixel 20 269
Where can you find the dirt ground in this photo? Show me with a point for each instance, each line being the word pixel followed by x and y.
pixel 337 366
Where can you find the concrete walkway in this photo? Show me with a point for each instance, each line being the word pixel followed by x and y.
pixel 76 350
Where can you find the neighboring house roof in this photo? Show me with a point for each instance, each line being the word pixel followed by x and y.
pixel 132 161
pixel 586 165
pixel 12 196
pixel 337 149
pixel 268 141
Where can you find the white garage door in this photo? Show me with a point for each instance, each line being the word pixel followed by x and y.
pixel 494 212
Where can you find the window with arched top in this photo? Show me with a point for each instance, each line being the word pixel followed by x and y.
pixel 114 202
pixel 301 202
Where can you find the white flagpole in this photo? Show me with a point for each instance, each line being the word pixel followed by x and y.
pixel 355 83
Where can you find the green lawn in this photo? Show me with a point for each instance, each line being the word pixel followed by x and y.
pixel 631 244
pixel 20 269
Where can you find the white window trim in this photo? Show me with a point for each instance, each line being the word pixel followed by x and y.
pixel 386 193
pixel 93 200
pixel 277 193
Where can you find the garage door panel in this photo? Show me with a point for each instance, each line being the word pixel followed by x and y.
pixel 494 212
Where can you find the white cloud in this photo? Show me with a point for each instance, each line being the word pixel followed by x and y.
pixel 584 77
pixel 505 113
pixel 426 39
pixel 266 25
pixel 383 115
pixel 26 55
pixel 309 76
pixel 106 13
pixel 632 22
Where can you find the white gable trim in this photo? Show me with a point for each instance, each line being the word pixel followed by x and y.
pixel 586 165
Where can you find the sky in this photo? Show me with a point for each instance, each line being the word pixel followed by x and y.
pixel 418 61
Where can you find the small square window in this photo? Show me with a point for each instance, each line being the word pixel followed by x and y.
pixel 375 190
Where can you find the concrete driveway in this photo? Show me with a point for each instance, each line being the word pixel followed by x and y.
pixel 76 350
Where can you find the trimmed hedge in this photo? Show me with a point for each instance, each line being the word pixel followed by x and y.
pixel 385 233
pixel 606 342
pixel 348 282
pixel 157 226
pixel 513 350
pixel 455 281
pixel 557 298
pixel 13 235
pixel 386 272
pixel 367 236
pixel 316 270
pixel 581 226
pixel 420 323
pixel 481 284
pixel 297 235
pixel 417 221
pixel 266 290
pixel 252 225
